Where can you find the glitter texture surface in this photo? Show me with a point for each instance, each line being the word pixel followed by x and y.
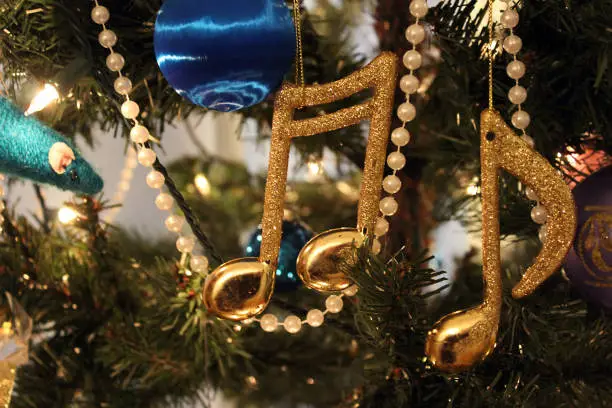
pixel 464 338
pixel 242 288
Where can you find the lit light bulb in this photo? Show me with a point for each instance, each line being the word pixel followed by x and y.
pixel 202 184
pixel 314 168
pixel 473 190
pixel 43 99
pixel 67 215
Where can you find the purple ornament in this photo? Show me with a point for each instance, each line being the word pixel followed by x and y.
pixel 589 263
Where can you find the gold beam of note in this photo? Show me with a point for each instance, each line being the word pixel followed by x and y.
pixel 242 288
pixel 464 338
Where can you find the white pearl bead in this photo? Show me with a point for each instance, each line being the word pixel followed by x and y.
pixel 517 94
pixel 146 157
pixel 418 8
pixel 139 134
pixel 392 184
pixel 115 62
pixel 521 119
pixel 124 186
pixel 130 109
pixel 376 247
pixel 107 38
pixel 388 206
pixel 174 223
pixel 164 201
pixel 381 227
pixel 351 290
pixel 292 324
pixel 515 69
pixel 513 44
pixel 415 34
pixel 123 85
pixel 412 59
pixel 539 214
pixel 409 84
pixel 510 18
pixel 334 304
pixel 542 234
pixel 185 244
pixel 268 323
pixel 406 112
pixel 315 318
pixel 155 179
pixel 127 174
pixel 529 140
pixel 400 137
pixel 199 264
pixel 396 160
pixel 531 194
pixel 100 15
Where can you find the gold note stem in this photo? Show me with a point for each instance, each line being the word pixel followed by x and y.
pixel 491 258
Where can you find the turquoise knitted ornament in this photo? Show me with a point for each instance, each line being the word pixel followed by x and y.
pixel 34 151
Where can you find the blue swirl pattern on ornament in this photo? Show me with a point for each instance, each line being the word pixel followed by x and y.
pixel 295 236
pixel 224 55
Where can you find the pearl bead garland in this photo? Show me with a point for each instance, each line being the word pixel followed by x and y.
pixel 127 174
pixel 406 112
pixel 518 95
pixel 140 135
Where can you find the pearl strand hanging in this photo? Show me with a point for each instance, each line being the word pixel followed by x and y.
pixel 127 174
pixel 400 137
pixel 406 112
pixel 140 135
pixel 518 95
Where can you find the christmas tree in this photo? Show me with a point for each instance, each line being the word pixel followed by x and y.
pixel 119 318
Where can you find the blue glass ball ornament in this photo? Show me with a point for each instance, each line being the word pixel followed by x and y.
pixel 295 236
pixel 588 265
pixel 224 55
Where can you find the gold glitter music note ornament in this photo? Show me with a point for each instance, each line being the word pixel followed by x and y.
pixel 242 288
pixel 464 338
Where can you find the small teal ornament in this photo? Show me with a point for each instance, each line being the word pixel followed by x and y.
pixel 32 150
pixel 295 236
pixel 224 55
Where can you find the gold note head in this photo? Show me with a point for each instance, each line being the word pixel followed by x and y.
pixel 323 261
pixel 462 339
pixel 239 289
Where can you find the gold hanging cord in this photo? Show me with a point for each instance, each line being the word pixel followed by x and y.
pixel 299 56
pixel 491 52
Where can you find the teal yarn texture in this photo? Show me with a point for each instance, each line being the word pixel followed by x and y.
pixel 24 152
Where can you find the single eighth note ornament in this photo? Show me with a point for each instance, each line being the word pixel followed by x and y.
pixel 467 337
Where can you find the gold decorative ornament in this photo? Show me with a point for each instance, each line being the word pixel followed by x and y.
pixel 464 338
pixel 238 290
